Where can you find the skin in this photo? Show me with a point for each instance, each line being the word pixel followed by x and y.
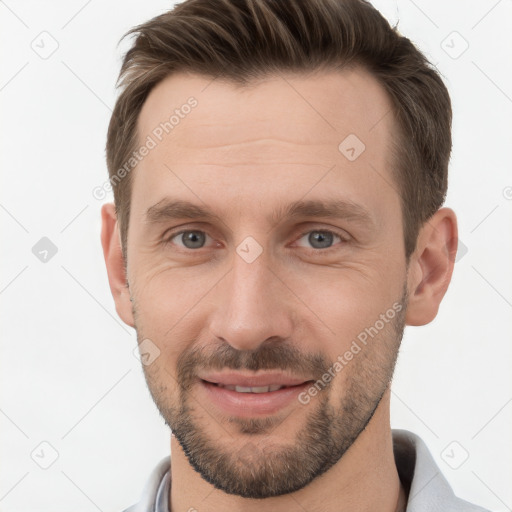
pixel 243 152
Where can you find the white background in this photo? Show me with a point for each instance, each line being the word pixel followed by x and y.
pixel 68 374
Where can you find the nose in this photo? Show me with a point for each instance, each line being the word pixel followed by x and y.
pixel 252 305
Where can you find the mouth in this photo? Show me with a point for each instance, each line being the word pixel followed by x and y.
pixel 249 401
pixel 253 389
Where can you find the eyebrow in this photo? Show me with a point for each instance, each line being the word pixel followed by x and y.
pixel 170 209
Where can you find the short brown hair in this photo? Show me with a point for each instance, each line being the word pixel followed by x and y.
pixel 243 40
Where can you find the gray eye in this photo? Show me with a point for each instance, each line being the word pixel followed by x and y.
pixel 320 239
pixel 193 239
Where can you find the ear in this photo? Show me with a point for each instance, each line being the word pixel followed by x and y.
pixel 431 266
pixel 111 242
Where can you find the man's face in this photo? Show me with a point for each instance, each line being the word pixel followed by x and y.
pixel 254 291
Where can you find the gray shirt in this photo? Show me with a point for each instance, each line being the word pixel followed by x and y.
pixel 428 490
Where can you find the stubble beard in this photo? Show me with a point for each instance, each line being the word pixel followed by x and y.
pixel 249 463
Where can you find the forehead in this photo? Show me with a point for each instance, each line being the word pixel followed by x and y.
pixel 309 108
pixel 282 130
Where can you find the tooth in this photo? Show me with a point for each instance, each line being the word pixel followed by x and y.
pixel 254 389
pixel 260 389
pixel 241 389
pixel 257 389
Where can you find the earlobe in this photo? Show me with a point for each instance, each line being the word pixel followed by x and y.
pixel 114 261
pixel 431 267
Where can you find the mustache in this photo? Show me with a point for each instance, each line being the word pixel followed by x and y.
pixel 270 355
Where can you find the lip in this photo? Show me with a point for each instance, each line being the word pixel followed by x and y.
pixel 247 405
pixel 238 379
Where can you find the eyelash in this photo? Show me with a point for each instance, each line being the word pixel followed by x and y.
pixel 343 239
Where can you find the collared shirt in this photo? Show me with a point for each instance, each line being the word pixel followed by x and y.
pixel 428 489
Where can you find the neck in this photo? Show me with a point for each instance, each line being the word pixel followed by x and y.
pixel 364 479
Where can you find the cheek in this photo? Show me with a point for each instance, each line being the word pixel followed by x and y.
pixel 362 363
pixel 345 300
pixel 166 295
pixel 348 316
pixel 169 313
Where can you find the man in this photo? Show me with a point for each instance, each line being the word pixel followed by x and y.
pixel 279 170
